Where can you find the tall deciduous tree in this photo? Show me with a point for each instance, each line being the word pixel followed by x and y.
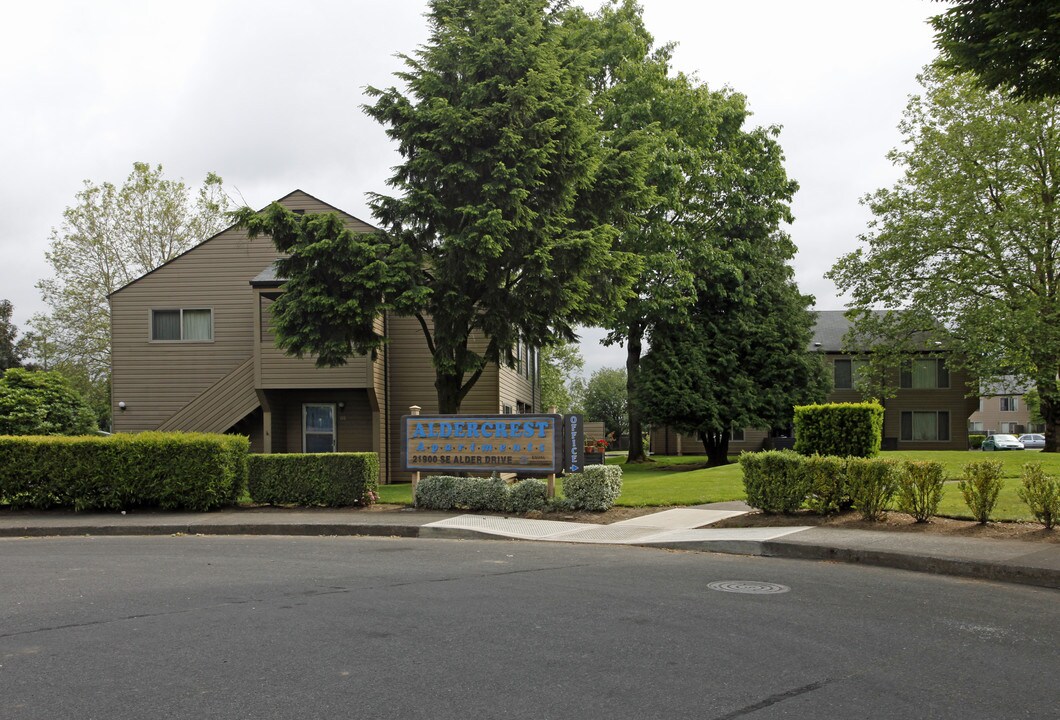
pixel 498 232
pixel 12 350
pixel 1010 44
pixel 561 385
pixel 706 173
pixel 606 400
pixel 111 236
pixel 966 246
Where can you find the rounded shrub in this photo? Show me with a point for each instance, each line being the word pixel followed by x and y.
pixel 595 488
pixel 920 489
pixel 872 483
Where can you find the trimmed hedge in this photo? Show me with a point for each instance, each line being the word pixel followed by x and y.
pixel 595 488
pixel 173 471
pixel 775 480
pixel 975 442
pixel 527 495
pixel 448 492
pixel 842 429
pixel 328 479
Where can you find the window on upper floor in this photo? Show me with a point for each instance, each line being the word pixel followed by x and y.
pixel 184 324
pixel 845 373
pixel 925 374
pixel 1009 404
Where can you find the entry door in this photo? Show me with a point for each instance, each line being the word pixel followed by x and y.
pixel 318 428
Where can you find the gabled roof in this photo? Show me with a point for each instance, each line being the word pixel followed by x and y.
pixel 1006 385
pixel 828 330
pixel 831 328
pixel 230 227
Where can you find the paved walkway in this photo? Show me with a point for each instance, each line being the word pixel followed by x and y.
pixel 1033 563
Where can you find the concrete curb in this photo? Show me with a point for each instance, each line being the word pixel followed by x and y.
pixel 958 567
pixel 977 569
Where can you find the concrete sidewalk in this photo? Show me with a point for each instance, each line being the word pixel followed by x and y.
pixel 1032 563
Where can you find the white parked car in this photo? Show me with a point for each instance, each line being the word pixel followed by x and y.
pixel 1032 440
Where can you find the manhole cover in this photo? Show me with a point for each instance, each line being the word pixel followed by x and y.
pixel 748 587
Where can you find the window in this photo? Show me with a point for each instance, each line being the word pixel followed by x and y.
pixel 182 325
pixel 1009 428
pixel 1009 404
pixel 929 425
pixel 975 426
pixel 736 435
pixel 925 374
pixel 522 408
pixel 318 428
pixel 506 410
pixel 846 373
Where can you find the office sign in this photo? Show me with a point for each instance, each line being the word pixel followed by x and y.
pixel 573 443
pixel 482 443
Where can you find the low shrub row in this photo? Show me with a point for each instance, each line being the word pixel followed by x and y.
pixel 173 471
pixel 784 481
pixel 328 479
pixel 595 489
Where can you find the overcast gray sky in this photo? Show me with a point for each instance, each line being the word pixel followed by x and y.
pixel 267 95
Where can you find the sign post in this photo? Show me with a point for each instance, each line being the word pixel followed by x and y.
pixel 414 410
pixel 573 443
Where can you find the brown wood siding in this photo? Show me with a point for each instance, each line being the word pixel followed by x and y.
pixel 221 406
pixel 953 399
pixel 279 370
pixel 157 379
pixel 514 388
pixel 353 423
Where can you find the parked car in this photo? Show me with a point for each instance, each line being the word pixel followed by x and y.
pixel 1002 442
pixel 1033 440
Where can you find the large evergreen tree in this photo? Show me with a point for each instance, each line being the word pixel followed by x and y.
pixel 498 231
pixel 741 356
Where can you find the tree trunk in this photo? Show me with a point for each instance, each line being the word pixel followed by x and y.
pixel 1050 412
pixel 449 397
pixel 717 447
pixel 636 435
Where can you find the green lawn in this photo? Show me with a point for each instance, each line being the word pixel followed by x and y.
pixel 680 481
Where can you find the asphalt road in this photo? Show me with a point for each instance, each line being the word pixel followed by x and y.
pixel 234 627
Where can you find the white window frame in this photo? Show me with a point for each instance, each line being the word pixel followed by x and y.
pixel 334 425
pixel 180 310
pixel 1011 400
